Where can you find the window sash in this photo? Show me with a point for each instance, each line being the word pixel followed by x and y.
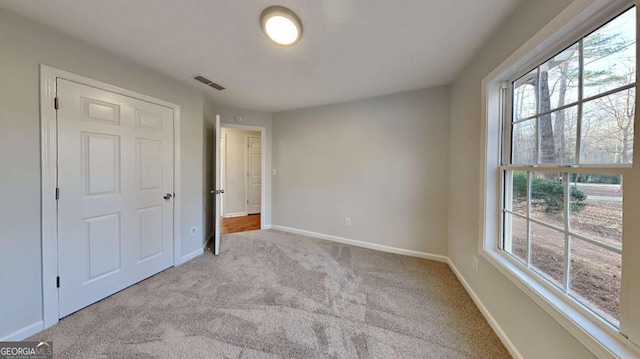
pixel 508 115
pixel 569 236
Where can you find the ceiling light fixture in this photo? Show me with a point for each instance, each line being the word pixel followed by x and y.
pixel 281 25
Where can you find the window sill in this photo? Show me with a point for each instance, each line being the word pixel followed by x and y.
pixel 595 334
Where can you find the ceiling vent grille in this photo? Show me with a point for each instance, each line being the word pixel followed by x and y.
pixel 208 82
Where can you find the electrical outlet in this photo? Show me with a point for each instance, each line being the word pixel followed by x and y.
pixel 474 263
pixel 194 231
pixel 347 221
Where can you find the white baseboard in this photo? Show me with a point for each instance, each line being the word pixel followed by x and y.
pixel 237 214
pixel 24 333
pixel 266 226
pixel 191 255
pixel 353 242
pixel 487 315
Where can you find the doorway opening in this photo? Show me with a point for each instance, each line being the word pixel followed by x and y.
pixel 241 172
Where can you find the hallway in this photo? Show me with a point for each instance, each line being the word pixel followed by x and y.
pixel 240 224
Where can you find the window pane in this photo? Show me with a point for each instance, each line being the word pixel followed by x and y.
pixel 516 236
pixel 610 55
pixel 558 134
pixel 596 207
pixel 525 103
pixel 595 278
pixel 607 129
pixel 547 253
pixel 523 142
pixel 559 79
pixel 519 192
pixel 547 200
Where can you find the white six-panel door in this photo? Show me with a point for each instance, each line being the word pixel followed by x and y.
pixel 115 174
pixel 254 174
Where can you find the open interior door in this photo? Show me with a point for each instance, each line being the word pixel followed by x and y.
pixel 217 192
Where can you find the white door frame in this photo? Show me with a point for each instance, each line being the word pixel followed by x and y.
pixel 49 173
pixel 263 195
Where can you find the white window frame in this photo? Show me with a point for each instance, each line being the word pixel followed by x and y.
pixel 597 335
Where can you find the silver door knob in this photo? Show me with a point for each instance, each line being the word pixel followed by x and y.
pixel 221 191
pixel 168 196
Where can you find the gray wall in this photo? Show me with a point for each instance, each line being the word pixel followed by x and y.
pixel 381 161
pixel 227 116
pixel 533 332
pixel 25 46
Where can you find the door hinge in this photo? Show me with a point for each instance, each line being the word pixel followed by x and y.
pixel 55 103
pixel 57 193
pixel 58 282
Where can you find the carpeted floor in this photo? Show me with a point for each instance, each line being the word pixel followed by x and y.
pixel 276 295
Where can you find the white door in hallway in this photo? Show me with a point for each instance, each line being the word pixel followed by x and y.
pixel 115 175
pixel 217 192
pixel 254 174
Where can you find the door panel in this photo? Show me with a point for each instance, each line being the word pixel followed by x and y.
pixel 102 240
pixel 217 213
pixel 101 164
pixel 150 224
pixel 148 164
pixel 254 174
pixel 115 164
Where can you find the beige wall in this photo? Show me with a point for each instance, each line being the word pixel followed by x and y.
pixel 235 178
pixel 380 161
pixel 25 46
pixel 534 333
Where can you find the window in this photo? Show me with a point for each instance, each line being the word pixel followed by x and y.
pixel 561 194
pixel 567 144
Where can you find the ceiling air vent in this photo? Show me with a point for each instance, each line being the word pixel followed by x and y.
pixel 208 82
pixel 216 86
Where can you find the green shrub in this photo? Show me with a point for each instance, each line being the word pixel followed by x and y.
pixel 547 194
pixel 595 178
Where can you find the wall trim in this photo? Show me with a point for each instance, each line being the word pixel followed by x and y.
pixel 23 333
pixel 190 256
pixel 266 226
pixel 504 338
pixel 374 246
pixel 236 214
pixel 49 174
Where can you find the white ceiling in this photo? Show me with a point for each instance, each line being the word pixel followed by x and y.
pixel 350 49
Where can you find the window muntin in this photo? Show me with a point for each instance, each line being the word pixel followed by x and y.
pixel 573 111
pixel 578 107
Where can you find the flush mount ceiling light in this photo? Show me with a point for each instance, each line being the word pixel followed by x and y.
pixel 281 25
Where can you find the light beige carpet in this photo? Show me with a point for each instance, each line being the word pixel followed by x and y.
pixel 276 295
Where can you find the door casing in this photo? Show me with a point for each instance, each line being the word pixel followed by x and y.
pixel 49 174
pixel 263 196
